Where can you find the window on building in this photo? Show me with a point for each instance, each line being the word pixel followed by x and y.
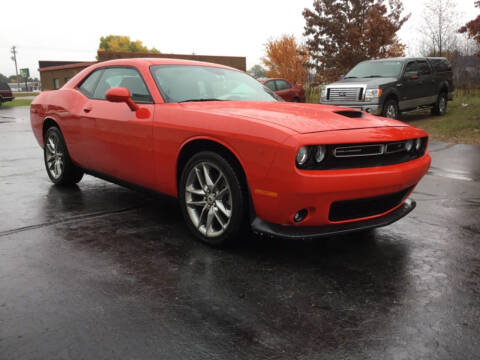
pixel 56 84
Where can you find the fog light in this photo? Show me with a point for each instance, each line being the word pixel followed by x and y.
pixel 301 215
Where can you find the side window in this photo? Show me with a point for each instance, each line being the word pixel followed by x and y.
pixel 424 68
pixel 411 66
pixel 271 85
pixel 88 85
pixel 282 85
pixel 123 77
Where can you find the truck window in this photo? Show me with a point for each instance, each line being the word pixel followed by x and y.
pixel 424 68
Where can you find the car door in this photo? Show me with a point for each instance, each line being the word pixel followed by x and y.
pixel 123 138
pixel 284 90
pixel 427 90
pixel 409 91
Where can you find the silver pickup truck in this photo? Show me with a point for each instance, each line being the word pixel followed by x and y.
pixel 388 87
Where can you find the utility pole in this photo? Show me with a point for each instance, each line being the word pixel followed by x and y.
pixel 14 58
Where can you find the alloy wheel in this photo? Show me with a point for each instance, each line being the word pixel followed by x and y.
pixel 442 104
pixel 208 199
pixel 391 112
pixel 54 156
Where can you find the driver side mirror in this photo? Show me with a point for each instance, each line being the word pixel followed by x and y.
pixel 119 95
pixel 411 75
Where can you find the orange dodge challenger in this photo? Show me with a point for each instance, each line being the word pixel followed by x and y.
pixel 229 149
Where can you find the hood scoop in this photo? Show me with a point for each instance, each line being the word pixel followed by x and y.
pixel 350 113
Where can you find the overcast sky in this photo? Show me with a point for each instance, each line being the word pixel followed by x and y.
pixel 70 30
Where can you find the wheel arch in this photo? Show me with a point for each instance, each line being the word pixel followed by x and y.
pixel 197 144
pixel 47 123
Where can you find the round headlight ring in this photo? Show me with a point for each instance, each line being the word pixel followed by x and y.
pixel 320 153
pixel 302 155
pixel 409 145
pixel 418 144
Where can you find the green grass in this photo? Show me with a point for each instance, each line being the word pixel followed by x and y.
pixel 17 102
pixel 461 123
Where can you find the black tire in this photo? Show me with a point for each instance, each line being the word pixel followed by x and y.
pixel 391 110
pixel 70 174
pixel 440 107
pixel 296 99
pixel 237 197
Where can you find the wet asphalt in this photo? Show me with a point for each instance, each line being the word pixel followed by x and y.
pixel 102 272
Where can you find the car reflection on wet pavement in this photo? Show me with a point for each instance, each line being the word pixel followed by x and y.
pixel 101 272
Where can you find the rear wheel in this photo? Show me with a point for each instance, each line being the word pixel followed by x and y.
pixel 212 198
pixel 440 107
pixel 390 109
pixel 60 168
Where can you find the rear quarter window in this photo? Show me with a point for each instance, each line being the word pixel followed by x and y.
pixel 4 86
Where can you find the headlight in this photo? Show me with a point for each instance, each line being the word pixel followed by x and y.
pixel 371 94
pixel 302 155
pixel 323 94
pixel 418 144
pixel 320 153
pixel 409 145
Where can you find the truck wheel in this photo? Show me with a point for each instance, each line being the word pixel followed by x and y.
pixel 390 109
pixel 440 107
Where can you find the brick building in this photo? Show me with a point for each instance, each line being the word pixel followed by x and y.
pixel 54 74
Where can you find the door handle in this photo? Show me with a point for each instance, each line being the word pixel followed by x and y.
pixel 87 109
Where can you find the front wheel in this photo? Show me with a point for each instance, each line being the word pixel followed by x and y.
pixel 60 168
pixel 212 200
pixel 390 109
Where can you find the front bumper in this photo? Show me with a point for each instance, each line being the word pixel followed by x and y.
pixel 306 232
pixel 374 109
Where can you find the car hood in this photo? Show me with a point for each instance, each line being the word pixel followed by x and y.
pixel 370 82
pixel 301 118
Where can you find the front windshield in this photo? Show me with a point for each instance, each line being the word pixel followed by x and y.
pixel 375 69
pixel 183 83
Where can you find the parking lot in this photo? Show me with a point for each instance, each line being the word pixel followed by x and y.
pixel 102 272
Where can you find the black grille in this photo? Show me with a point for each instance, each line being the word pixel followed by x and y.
pixel 360 208
pixel 353 156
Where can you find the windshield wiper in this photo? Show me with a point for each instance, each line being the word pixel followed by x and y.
pixel 350 77
pixel 204 99
pixel 373 76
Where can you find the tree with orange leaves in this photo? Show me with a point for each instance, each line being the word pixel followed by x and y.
pixel 285 58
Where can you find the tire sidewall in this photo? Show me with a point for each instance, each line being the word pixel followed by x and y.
pixel 237 192
pixel 395 105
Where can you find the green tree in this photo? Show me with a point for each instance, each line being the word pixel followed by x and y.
pixel 341 33
pixel 123 43
pixel 257 71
